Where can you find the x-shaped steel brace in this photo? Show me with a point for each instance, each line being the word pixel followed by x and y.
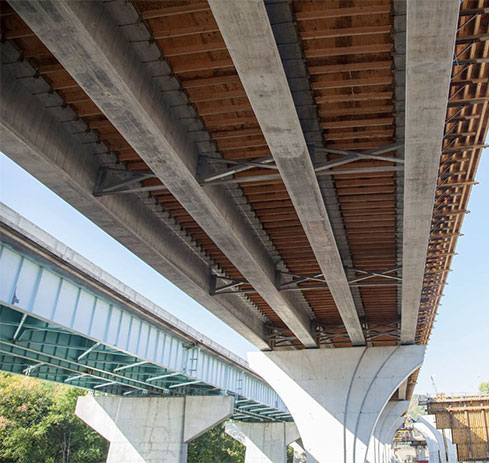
pixel 352 156
pixel 130 183
pixel 229 287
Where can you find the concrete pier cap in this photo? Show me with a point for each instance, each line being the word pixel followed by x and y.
pixel 152 429
pixel 336 396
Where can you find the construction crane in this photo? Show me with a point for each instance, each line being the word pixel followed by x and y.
pixel 434 385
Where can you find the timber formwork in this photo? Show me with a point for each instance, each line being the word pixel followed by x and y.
pixel 345 63
pixel 468 419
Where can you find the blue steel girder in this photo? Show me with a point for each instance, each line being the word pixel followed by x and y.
pixel 54 354
pixel 54 328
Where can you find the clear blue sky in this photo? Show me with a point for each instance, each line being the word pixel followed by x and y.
pixel 458 352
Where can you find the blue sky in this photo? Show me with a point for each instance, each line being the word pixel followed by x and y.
pixel 458 353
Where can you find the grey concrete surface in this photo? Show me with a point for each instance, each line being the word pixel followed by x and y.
pixel 264 442
pixel 152 429
pixel 431 30
pixel 336 396
pixel 248 35
pixel 100 59
pixel 36 139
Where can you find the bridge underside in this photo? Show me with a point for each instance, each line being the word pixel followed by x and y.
pixel 46 351
pixel 62 319
pixel 153 125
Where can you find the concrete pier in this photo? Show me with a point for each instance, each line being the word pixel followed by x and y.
pixel 388 450
pixel 300 455
pixel 152 429
pixel 337 395
pixel 381 437
pixel 440 447
pixel 264 442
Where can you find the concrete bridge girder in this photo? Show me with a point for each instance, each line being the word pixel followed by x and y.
pixel 103 63
pixel 429 56
pixel 36 139
pixel 246 29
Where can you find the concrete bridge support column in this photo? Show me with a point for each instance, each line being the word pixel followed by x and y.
pixel 264 442
pixel 152 429
pixel 300 455
pixel 380 437
pixel 448 450
pixel 440 448
pixel 337 395
pixel 434 450
pixel 388 455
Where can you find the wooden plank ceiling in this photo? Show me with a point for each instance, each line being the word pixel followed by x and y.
pixel 348 49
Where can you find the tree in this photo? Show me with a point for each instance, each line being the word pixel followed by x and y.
pixel 415 409
pixel 215 446
pixel 484 388
pixel 38 424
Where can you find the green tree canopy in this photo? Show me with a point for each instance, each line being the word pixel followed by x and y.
pixel 38 424
pixel 484 387
pixel 215 446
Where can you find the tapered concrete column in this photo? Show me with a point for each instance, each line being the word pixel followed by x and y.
pixel 388 455
pixel 441 448
pixel 264 442
pixel 337 395
pixel 448 449
pixel 300 455
pixel 391 413
pixel 152 429
pixel 436 454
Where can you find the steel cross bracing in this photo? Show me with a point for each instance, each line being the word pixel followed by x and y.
pixel 55 327
pixel 320 169
pixel 149 123
pixel 121 181
pixel 288 281
pixel 337 335
pixel 439 248
pixel 130 181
